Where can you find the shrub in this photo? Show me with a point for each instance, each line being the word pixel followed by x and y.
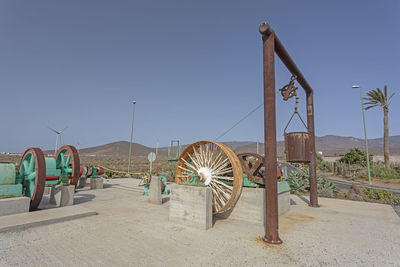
pixel 321 164
pixel 380 196
pixel 355 156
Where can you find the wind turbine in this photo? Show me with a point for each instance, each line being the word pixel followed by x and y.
pixel 58 137
pixel 79 145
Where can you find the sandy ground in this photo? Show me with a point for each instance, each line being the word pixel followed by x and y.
pixel 131 232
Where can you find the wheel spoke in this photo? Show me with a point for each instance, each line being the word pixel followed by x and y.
pixel 61 155
pixel 68 160
pixel 189 165
pixel 31 164
pixel 228 178
pixel 186 170
pixel 195 162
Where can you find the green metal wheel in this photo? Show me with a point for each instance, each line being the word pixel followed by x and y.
pixel 67 159
pixel 32 169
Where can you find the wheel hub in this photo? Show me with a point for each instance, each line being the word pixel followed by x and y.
pixel 205 175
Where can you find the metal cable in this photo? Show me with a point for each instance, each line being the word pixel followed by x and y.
pixel 236 124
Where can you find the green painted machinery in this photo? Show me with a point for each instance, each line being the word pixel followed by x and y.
pixel 91 171
pixel 34 172
pixel 164 189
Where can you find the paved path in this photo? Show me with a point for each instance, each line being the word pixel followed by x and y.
pixel 131 232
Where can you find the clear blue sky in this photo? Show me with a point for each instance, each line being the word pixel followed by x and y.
pixel 194 68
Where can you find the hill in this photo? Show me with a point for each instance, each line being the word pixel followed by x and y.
pixel 330 145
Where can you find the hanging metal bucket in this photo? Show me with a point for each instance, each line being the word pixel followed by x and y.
pixel 297 147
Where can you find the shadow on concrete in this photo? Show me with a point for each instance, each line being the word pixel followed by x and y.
pixel 222 216
pixel 82 198
pixel 164 200
pixel 304 199
pixel 109 185
pixel 292 202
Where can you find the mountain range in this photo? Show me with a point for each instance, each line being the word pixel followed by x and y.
pixel 329 145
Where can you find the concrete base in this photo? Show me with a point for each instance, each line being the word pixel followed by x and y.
pixel 62 195
pixel 191 205
pixel 155 190
pixel 251 206
pixel 14 205
pixel 82 182
pixel 47 190
pixel 18 222
pixel 96 183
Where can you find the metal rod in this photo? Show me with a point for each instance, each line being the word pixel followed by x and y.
pixel 365 136
pixel 280 50
pixel 313 159
pixel 130 144
pixel 270 162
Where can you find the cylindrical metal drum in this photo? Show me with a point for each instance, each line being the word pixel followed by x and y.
pixel 297 147
pixel 7 174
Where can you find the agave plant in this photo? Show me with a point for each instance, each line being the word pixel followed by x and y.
pixel 298 181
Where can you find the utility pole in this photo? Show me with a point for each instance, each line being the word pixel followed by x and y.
pixel 157 147
pixel 130 145
pixel 365 134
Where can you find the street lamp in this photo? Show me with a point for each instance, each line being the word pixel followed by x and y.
pixel 365 133
pixel 130 145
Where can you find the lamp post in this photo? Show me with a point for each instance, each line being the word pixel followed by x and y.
pixel 130 145
pixel 365 133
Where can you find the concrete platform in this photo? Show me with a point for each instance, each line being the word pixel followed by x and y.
pixel 251 206
pixel 339 233
pixel 96 183
pixel 62 195
pixel 14 205
pixel 82 182
pixel 155 190
pixel 191 205
pixel 43 217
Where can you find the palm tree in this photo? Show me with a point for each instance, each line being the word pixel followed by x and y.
pixel 379 98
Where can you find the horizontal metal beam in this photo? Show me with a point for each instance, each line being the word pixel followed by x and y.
pixel 280 50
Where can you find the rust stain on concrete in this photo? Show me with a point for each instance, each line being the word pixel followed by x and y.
pixel 298 217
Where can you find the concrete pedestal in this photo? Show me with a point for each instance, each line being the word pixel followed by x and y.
pixel 47 190
pixel 96 183
pixel 155 190
pixel 62 195
pixel 251 206
pixel 14 205
pixel 191 205
pixel 82 182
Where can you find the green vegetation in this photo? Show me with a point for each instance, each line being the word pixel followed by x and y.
pixel 355 156
pixel 377 171
pixel 299 183
pixel 321 164
pixel 385 197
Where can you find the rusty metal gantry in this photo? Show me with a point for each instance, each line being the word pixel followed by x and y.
pixel 272 45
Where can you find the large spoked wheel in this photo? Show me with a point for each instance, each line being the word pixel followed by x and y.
pixel 67 159
pixel 33 170
pixel 215 165
pixel 253 164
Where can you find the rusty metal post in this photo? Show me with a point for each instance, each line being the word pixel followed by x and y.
pixel 270 162
pixel 313 163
